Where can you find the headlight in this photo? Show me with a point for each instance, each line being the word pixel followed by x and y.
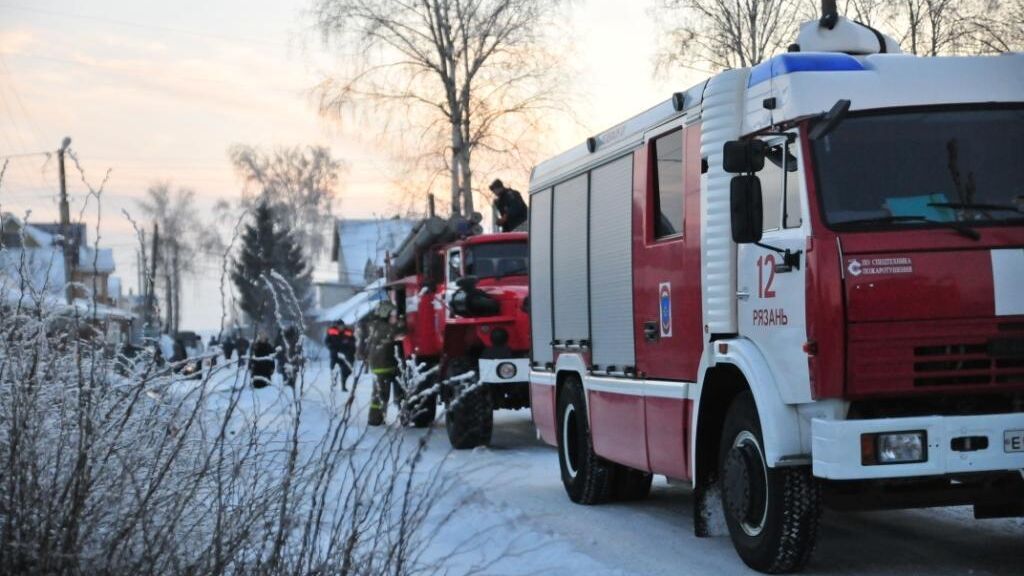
pixel 506 370
pixel 894 448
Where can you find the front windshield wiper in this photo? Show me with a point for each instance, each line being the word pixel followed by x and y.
pixel 959 228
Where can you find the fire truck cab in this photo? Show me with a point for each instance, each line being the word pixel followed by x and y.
pixel 463 299
pixel 794 285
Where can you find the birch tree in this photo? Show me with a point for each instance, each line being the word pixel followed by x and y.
pixel 299 183
pixel 725 33
pixel 468 77
pixel 740 33
pixel 177 217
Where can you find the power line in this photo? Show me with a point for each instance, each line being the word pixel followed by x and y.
pixel 25 155
pixel 127 74
pixel 40 140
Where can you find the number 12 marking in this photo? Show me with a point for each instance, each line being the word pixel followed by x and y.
pixel 764 289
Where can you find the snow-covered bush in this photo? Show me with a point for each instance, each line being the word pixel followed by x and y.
pixel 141 471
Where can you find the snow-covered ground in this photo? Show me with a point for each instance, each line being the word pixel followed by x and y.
pixel 511 515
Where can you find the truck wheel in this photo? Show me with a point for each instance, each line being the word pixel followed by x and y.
pixel 469 418
pixel 631 484
pixel 772 513
pixel 586 476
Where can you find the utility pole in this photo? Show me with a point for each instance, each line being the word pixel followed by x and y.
pixel 150 296
pixel 65 224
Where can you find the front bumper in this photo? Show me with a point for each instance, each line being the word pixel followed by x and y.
pixel 489 371
pixel 836 446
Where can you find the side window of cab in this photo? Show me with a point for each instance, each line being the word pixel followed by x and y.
pixel 454 265
pixel 780 189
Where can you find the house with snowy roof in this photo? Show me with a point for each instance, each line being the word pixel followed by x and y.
pixel 33 254
pixel 359 249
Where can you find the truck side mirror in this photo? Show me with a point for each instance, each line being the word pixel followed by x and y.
pixel 744 156
pixel 746 208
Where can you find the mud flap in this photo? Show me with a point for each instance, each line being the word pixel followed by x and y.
pixel 708 517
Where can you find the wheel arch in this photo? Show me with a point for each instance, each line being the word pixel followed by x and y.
pixel 742 368
pixel 567 365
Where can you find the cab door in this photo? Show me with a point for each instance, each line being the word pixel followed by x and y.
pixel 771 292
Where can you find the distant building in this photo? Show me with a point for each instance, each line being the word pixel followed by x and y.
pixel 37 250
pixel 359 248
pixel 32 267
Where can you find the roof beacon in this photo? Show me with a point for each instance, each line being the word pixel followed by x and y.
pixel 835 33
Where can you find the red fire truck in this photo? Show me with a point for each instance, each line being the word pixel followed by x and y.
pixel 794 285
pixel 463 296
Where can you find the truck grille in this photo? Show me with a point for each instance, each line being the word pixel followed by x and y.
pixel 964 364
pixel 963 354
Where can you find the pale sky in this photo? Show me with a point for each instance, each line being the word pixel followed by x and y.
pixel 160 90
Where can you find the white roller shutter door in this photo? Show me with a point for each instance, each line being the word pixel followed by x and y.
pixel 570 261
pixel 540 276
pixel 611 263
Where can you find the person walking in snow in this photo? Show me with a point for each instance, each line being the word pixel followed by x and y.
pixel 509 205
pixel 262 362
pixel 229 347
pixel 384 330
pixel 243 347
pixel 341 346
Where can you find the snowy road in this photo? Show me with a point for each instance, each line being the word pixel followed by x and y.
pixel 521 522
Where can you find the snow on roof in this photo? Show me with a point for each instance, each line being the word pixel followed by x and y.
pixel 365 241
pixel 53 302
pixel 39 237
pixel 41 268
pixel 355 308
pixel 104 259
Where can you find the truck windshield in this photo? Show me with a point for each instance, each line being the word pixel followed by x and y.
pixel 923 168
pixel 497 260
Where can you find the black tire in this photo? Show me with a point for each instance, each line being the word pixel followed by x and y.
pixel 631 484
pixel 469 418
pixel 586 476
pixel 772 513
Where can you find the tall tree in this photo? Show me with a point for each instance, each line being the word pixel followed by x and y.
pixel 270 272
pixel 299 183
pixel 740 33
pixel 177 217
pixel 725 33
pixel 469 75
pixel 999 26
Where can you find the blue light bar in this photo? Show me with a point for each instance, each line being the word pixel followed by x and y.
pixel 808 62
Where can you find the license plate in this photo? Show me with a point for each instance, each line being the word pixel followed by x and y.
pixel 1013 441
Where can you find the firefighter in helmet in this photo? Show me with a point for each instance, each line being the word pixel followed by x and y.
pixel 385 328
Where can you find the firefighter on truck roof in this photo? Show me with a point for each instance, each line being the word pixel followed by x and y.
pixel 509 205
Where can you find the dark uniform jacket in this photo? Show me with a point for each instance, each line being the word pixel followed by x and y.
pixel 510 205
pixel 341 341
pixel 262 361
